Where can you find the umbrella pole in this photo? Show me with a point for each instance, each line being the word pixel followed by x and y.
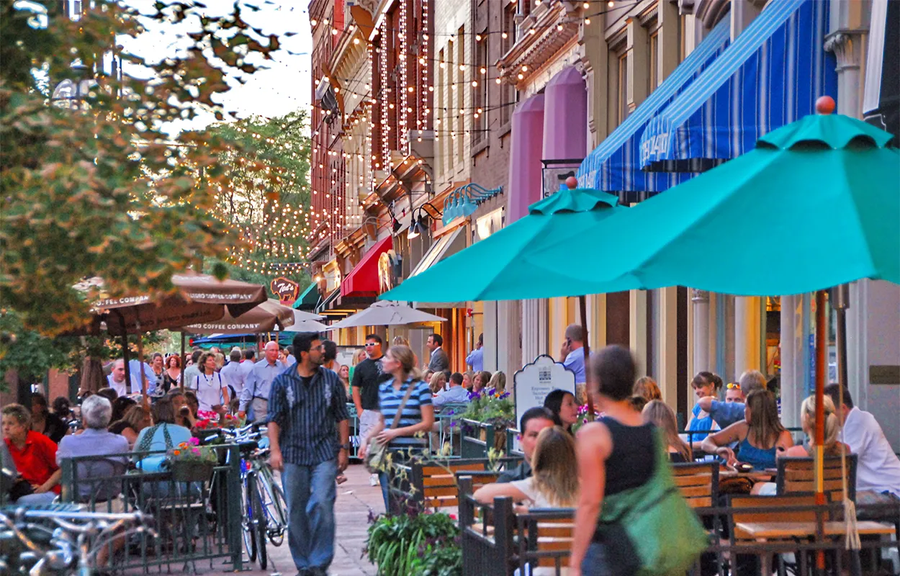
pixel 125 354
pixel 182 362
pixel 821 369
pixel 140 346
pixel 582 301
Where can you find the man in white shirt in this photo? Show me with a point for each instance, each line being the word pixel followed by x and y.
pixel 116 380
pixel 439 361
pixel 233 373
pixel 193 370
pixel 877 467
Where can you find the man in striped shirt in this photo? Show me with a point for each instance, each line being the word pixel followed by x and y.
pixel 309 436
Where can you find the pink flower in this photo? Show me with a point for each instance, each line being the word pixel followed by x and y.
pixel 194 441
pixel 196 451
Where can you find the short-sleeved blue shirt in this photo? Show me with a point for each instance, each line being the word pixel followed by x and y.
pixel 390 399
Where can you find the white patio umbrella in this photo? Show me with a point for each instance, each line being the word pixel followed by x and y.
pixel 302 325
pixel 386 313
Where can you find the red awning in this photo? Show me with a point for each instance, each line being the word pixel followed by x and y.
pixel 362 281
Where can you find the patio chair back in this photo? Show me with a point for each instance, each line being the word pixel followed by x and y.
pixel 698 482
pixel 799 475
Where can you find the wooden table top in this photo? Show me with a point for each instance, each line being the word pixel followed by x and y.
pixel 766 530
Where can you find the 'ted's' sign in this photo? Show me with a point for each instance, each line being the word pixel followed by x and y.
pixel 287 290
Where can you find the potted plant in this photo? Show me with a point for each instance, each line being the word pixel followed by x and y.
pixel 415 543
pixel 190 462
pixel 494 407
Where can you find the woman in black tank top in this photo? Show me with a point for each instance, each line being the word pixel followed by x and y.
pixel 614 454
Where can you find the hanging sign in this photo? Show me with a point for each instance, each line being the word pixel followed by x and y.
pixel 286 289
pixel 532 383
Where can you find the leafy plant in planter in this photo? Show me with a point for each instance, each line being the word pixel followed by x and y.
pixel 493 407
pixel 191 462
pixel 416 543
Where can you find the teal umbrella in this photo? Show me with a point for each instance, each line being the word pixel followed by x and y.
pixel 816 204
pixel 495 268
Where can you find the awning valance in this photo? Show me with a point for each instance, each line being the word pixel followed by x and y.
pixel 362 281
pixel 308 299
pixel 614 166
pixel 770 76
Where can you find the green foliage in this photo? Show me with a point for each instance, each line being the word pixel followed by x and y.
pixel 493 407
pixel 416 544
pixel 98 186
pixel 270 217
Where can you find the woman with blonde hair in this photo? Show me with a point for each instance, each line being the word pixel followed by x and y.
pixel 554 480
pixel 135 419
pixel 403 341
pixel 406 388
pixel 662 416
pixel 647 387
pixel 498 382
pixel 468 380
pixel 438 382
pixel 831 447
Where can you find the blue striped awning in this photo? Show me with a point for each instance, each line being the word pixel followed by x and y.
pixel 770 76
pixel 614 166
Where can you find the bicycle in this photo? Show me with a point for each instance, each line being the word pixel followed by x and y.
pixel 70 545
pixel 262 499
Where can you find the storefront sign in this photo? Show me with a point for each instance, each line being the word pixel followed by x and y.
pixel 386 271
pixel 532 383
pixel 286 289
pixel 488 224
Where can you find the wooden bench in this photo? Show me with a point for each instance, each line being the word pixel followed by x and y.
pixel 434 482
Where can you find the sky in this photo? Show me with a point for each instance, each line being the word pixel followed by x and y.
pixel 281 88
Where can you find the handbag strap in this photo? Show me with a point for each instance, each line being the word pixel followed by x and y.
pixel 402 405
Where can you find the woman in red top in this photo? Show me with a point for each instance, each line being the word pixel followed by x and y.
pixel 33 454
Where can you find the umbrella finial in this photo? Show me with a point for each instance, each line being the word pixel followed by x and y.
pixel 572 182
pixel 824 105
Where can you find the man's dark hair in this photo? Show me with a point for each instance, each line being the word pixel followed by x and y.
pixel 481 338
pixel 303 341
pixel 195 355
pixel 533 413
pixel 834 390
pixel 290 350
pixel 637 402
pixel 163 411
pixel 376 338
pixel 456 378
pixel 436 338
pixel 249 354
pixel 613 368
pixel 108 393
pixel 330 350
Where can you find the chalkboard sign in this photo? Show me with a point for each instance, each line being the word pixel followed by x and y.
pixel 537 379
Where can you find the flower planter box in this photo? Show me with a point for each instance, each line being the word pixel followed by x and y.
pixel 187 471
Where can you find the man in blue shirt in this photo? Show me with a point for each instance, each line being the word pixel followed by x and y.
pixel 255 395
pixel 475 359
pixel 572 352
pixel 727 413
pixel 456 394
pixel 309 436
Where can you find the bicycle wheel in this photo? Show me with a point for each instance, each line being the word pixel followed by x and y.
pixel 246 521
pixel 274 507
pixel 259 517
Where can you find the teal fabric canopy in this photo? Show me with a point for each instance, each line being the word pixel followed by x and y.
pixel 816 204
pixel 495 268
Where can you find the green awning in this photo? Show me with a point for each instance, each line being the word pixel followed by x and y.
pixel 307 300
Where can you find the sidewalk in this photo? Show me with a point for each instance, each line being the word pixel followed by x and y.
pixel 354 498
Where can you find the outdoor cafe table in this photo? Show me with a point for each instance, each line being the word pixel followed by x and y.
pixel 763 531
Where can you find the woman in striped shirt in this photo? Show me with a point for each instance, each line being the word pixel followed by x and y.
pixel 417 418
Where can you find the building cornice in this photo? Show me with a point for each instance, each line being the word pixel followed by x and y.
pixel 545 35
